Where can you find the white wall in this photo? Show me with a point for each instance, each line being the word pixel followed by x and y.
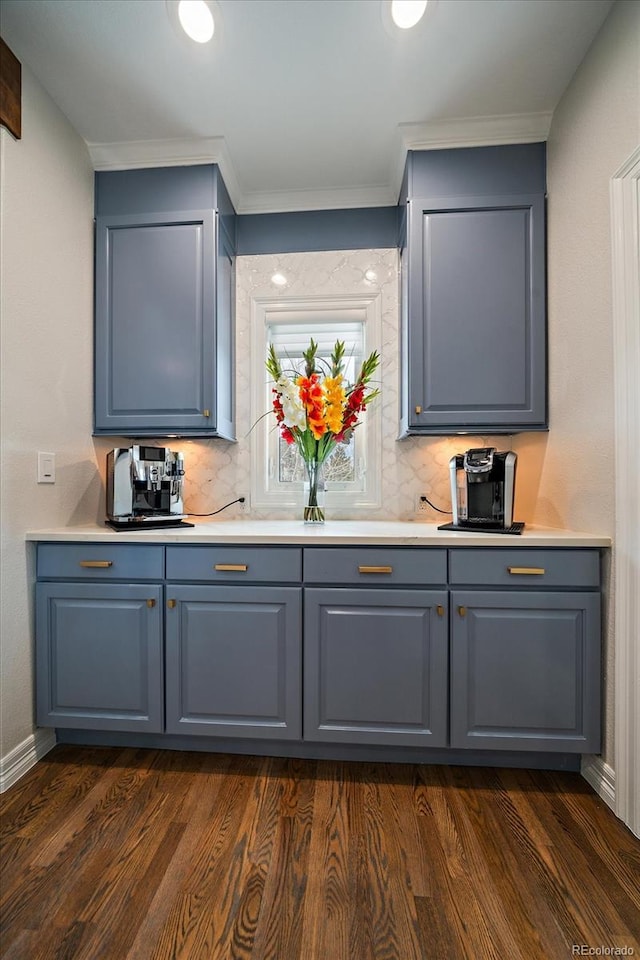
pixel 596 126
pixel 46 230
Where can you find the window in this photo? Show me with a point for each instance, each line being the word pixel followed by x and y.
pixel 353 470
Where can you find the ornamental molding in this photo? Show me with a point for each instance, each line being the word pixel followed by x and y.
pixel 432 135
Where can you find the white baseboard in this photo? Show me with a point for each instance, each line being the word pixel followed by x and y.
pixel 19 760
pixel 602 778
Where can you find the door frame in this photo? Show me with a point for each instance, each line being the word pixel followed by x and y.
pixel 625 228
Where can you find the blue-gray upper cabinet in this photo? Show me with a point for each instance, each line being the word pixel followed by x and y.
pixel 164 304
pixel 473 292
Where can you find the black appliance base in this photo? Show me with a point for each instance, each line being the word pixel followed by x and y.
pixel 516 527
pixel 146 524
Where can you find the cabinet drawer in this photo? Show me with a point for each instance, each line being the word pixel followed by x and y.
pixel 525 568
pixel 377 566
pixel 240 564
pixel 104 561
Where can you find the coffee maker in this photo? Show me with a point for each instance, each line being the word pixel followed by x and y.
pixel 482 490
pixel 145 488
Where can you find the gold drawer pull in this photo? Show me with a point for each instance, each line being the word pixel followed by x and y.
pixel 418 410
pixel 102 564
pixel 206 413
pixel 362 569
pixel 171 604
pixel 440 610
pixel 538 571
pixel 462 611
pixel 151 603
pixel 235 567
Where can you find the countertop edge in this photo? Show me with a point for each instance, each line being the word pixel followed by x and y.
pixel 356 533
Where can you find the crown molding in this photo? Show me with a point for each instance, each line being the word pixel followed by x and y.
pixel 489 131
pixel 476 131
pixel 132 154
pixel 433 135
pixel 338 198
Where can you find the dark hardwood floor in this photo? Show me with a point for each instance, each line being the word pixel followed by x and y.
pixel 116 854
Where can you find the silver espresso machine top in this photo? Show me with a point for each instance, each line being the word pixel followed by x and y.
pixel 145 487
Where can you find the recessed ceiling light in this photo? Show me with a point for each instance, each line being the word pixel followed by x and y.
pixel 279 279
pixel 406 13
pixel 196 19
pixel 370 275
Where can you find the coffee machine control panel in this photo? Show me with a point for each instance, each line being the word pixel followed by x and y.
pixel 479 459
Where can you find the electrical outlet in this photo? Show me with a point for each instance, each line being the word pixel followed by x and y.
pixel 244 506
pixel 421 504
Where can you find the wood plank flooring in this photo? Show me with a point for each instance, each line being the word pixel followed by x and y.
pixel 123 854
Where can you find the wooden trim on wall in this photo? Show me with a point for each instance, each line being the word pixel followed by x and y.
pixel 10 91
pixel 625 227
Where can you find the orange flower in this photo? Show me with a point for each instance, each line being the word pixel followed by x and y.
pixel 313 399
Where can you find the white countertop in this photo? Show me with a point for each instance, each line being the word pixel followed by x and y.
pixel 403 533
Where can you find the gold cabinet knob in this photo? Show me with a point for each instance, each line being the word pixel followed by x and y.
pixel 151 603
pixel 462 611
pixel 171 604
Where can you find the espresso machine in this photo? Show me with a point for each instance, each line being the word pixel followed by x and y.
pixel 145 488
pixel 482 490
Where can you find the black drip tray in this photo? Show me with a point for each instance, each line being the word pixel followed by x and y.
pixel 516 527
pixel 146 524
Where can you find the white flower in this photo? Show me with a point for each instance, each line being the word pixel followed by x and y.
pixel 292 409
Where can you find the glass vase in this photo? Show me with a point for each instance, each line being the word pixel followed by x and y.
pixel 314 493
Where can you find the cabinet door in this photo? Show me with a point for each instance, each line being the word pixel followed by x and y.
pixel 99 656
pixel 233 661
pixel 525 671
pixel 375 666
pixel 476 322
pixel 155 311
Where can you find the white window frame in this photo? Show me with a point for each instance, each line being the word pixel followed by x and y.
pixel 266 494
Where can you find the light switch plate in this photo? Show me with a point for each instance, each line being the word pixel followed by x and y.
pixel 46 467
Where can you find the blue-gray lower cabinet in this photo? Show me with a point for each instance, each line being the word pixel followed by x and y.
pixel 233 661
pixel 525 670
pixel 470 649
pixel 99 656
pixel 376 666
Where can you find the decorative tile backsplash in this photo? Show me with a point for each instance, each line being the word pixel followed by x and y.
pixel 218 472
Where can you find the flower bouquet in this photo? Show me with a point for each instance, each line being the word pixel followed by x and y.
pixel 316 409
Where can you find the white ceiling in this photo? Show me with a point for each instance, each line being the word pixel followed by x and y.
pixel 304 103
